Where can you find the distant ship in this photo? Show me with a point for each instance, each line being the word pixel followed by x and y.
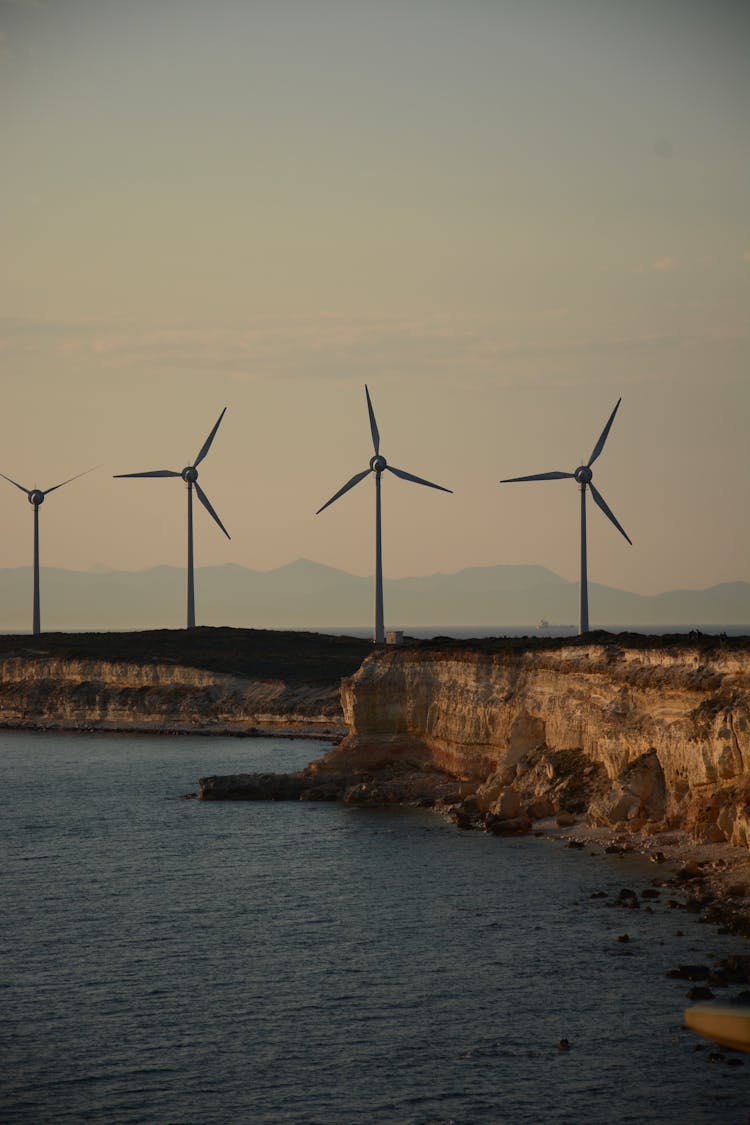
pixel 545 627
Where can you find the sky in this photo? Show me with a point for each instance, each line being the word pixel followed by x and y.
pixel 501 216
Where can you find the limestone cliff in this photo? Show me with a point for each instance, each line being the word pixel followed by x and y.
pixel 74 694
pixel 205 679
pixel 636 735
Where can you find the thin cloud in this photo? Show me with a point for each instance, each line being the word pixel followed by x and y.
pixel 338 347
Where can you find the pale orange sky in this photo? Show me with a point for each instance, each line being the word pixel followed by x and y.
pixel 501 216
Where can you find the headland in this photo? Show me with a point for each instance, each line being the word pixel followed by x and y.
pixel 632 740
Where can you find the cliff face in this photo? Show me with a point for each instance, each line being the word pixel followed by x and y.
pixel 55 692
pixel 638 737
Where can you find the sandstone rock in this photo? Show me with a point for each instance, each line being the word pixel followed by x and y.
pixel 515 826
pixel 488 793
pixel 565 820
pixel 664 726
pixel 71 693
pixel 507 805
pixel 637 796
pixel 741 827
pixel 540 808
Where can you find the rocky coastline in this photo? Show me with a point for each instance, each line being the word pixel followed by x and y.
pixel 621 743
pixel 625 742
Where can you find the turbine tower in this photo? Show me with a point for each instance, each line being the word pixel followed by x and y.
pixel 35 497
pixel 378 465
pixel 584 476
pixel 190 475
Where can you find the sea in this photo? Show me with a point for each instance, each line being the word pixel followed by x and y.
pixel 168 960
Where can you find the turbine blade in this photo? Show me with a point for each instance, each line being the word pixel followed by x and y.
pixel 349 484
pixel 15 482
pixel 600 444
pixel 599 499
pixel 83 474
pixel 417 480
pixel 207 505
pixel 373 424
pixel 207 443
pixel 155 473
pixel 538 476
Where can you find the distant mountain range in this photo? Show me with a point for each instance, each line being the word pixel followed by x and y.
pixel 305 594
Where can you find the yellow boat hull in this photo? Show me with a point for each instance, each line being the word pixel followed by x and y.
pixel 726 1024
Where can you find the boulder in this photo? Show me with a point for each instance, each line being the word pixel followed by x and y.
pixel 540 808
pixel 637 796
pixel 507 806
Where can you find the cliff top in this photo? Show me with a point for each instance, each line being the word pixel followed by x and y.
pixel 312 657
pixel 256 653
pixel 705 642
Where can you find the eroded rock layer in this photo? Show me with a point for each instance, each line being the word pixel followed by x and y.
pixel 75 694
pixel 639 737
pixel 201 679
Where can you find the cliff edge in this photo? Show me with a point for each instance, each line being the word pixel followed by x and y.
pixel 643 734
pixel 234 681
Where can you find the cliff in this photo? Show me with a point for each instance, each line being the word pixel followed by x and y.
pixel 635 734
pixel 629 732
pixel 208 680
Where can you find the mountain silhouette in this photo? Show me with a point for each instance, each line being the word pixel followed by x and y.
pixel 306 594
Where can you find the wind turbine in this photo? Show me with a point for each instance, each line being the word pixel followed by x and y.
pixel 584 476
pixel 190 475
pixel 35 497
pixel 378 465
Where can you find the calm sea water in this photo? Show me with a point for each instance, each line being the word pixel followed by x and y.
pixel 173 961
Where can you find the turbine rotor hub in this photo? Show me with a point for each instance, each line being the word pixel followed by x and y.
pixel 583 474
pixel 378 463
pixel 189 474
pixel 36 497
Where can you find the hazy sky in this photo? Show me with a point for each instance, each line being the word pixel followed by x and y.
pixel 500 215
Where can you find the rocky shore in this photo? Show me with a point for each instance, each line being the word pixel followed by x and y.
pixel 624 743
pixel 642 740
pixel 709 880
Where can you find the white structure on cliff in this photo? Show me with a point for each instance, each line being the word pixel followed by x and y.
pixel 583 475
pixel 378 465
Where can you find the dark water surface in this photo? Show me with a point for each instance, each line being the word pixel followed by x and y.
pixel 174 961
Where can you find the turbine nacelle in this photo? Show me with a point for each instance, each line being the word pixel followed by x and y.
pixel 378 463
pixel 36 497
pixel 189 474
pixel 583 474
